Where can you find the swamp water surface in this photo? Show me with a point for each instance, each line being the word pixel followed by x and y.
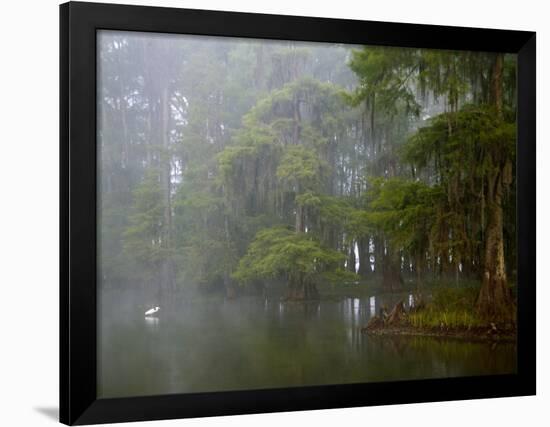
pixel 212 344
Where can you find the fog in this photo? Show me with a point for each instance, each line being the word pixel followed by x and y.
pixel 271 197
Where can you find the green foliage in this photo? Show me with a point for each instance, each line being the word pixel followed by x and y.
pixel 461 297
pixel 281 253
pixel 304 109
pixel 211 162
pixel 309 199
pixel 202 237
pixel 279 161
pixel 466 148
pixel 385 73
pixel 116 265
pixel 469 136
pixel 211 258
pixel 300 169
pixel 450 308
pixel 336 210
pixel 142 237
pixel 445 74
pixel 404 210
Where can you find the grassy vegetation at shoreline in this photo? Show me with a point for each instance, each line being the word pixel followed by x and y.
pixel 450 312
pixel 449 308
pixel 448 319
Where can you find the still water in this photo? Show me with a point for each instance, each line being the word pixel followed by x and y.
pixel 212 344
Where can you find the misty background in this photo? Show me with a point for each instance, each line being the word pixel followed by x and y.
pixel 271 197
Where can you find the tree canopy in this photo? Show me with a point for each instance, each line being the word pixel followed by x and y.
pixel 229 162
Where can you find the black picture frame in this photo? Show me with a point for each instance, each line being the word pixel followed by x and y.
pixel 78 302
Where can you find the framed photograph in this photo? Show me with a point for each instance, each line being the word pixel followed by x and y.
pixel 268 213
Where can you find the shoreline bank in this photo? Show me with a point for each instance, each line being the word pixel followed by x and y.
pixel 477 334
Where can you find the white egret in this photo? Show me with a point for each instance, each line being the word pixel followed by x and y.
pixel 152 312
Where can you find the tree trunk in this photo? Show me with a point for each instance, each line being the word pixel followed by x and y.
pixel 419 268
pixel 300 223
pixel 297 120
pixel 168 275
pixel 300 289
pixel 495 300
pixel 229 285
pixel 378 255
pixel 496 81
pixel 391 271
pixel 351 257
pixel 364 257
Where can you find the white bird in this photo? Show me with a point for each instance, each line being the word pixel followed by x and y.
pixel 153 311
